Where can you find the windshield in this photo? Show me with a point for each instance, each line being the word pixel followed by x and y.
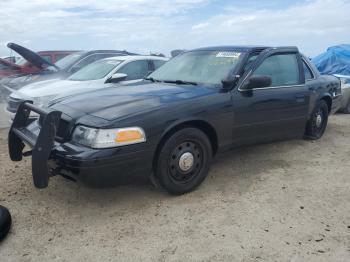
pixel 68 60
pixel 208 67
pixel 96 70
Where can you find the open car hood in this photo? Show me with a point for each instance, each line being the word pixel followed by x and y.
pixel 30 56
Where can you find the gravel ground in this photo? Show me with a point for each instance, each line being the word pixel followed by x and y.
pixel 287 201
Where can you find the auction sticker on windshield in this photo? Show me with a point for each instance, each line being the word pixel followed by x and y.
pixel 228 54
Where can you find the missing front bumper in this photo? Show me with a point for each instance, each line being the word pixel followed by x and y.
pixel 41 142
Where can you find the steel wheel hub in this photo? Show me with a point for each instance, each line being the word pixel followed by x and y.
pixel 318 120
pixel 186 161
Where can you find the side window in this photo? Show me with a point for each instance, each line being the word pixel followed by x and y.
pixel 135 70
pixel 84 62
pixel 88 60
pixel 308 74
pixel 47 58
pixel 283 69
pixel 60 56
pixel 158 63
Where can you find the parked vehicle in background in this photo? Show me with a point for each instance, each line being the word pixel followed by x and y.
pixel 50 56
pixel 8 68
pixel 12 59
pixel 199 103
pixel 60 70
pixel 24 67
pixel 336 61
pixel 345 89
pixel 177 52
pixel 120 69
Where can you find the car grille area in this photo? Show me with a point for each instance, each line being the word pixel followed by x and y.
pixel 63 129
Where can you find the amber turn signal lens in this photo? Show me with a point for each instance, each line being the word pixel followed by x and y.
pixel 128 136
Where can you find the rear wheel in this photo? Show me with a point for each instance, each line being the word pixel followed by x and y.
pixel 183 161
pixel 318 122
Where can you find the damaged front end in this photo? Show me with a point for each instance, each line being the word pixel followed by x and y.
pixel 41 140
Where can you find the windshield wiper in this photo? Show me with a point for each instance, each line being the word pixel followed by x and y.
pixel 152 79
pixel 180 82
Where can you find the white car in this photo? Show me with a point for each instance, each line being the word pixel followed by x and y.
pixel 119 69
pixel 345 90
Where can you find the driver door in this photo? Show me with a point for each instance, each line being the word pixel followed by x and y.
pixel 274 112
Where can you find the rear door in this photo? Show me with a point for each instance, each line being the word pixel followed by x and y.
pixel 274 112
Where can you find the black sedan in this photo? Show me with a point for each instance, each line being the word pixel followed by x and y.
pixel 199 103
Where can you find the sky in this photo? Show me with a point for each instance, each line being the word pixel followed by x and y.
pixel 145 26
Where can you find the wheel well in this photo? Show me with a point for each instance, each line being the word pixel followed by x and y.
pixel 201 125
pixel 328 100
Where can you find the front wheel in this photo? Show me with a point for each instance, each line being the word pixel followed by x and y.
pixel 317 123
pixel 183 161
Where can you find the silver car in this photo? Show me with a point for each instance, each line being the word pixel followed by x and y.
pixel 345 88
pixel 120 69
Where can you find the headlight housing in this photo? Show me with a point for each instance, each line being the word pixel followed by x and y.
pixel 108 138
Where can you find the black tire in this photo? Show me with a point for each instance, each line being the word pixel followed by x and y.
pixel 317 123
pixel 183 161
pixel 346 110
pixel 5 222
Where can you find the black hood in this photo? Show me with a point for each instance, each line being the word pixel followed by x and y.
pixel 30 56
pixel 124 101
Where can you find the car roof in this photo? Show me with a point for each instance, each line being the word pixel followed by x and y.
pixel 121 52
pixel 57 51
pixel 136 57
pixel 238 48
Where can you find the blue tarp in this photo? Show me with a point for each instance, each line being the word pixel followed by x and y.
pixel 336 60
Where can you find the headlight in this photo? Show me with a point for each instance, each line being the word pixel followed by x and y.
pixel 107 138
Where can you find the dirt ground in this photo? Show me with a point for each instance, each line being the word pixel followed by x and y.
pixel 287 201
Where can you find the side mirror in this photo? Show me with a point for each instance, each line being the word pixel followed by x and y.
pixel 117 77
pixel 257 81
pixel 229 82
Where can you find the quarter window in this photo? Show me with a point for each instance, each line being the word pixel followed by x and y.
pixel 135 70
pixel 283 69
pixel 308 74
